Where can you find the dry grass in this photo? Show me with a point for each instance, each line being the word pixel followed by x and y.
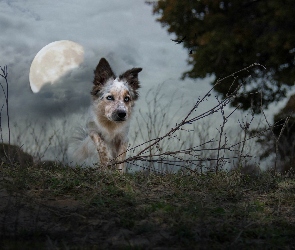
pixel 55 207
pixel 50 206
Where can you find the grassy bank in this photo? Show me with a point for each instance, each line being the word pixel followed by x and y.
pixel 52 207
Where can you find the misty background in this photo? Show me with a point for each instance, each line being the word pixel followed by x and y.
pixel 125 33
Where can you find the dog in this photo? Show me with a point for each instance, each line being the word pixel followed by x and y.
pixel 113 99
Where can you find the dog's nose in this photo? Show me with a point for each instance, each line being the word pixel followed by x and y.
pixel 122 114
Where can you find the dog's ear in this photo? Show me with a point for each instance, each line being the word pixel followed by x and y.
pixel 102 73
pixel 131 76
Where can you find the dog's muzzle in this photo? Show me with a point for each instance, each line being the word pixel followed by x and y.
pixel 119 115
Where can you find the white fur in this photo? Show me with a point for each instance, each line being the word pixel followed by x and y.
pixel 85 148
pixel 123 129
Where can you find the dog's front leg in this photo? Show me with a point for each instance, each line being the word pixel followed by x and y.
pixel 121 157
pixel 101 147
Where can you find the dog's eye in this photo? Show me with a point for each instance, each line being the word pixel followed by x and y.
pixel 110 97
pixel 126 99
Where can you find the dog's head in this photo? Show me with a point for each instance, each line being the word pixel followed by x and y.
pixel 114 96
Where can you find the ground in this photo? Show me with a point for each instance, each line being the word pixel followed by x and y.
pixel 55 207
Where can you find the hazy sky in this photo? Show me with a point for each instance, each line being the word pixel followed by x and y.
pixel 124 32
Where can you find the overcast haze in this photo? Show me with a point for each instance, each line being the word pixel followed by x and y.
pixel 124 32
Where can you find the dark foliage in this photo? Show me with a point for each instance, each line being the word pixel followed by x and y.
pixel 226 36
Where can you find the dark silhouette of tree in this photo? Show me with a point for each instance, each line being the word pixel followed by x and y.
pixel 285 132
pixel 226 36
pixel 280 140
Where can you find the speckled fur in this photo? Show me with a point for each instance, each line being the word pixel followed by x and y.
pixel 113 99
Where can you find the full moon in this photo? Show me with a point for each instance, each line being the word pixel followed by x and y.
pixel 53 61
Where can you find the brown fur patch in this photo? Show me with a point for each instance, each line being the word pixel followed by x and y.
pixel 105 109
pixel 102 151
